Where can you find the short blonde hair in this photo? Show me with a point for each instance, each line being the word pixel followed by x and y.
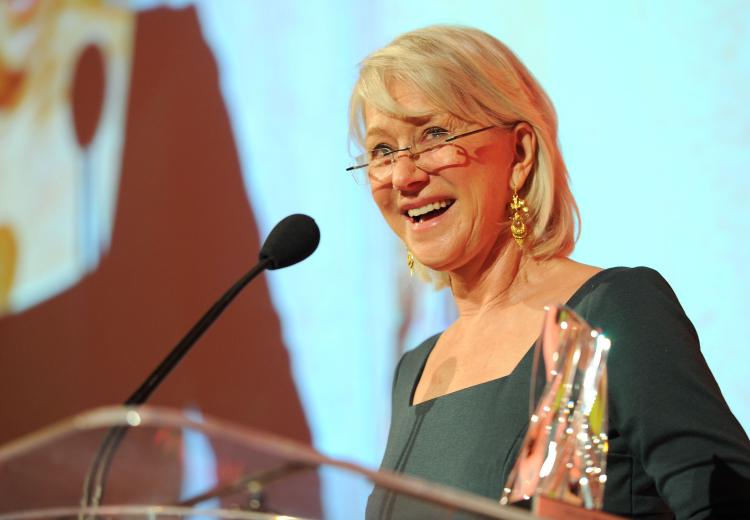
pixel 475 77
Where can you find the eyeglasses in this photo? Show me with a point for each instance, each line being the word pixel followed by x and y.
pixel 433 150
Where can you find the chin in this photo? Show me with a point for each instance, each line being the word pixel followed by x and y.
pixel 435 261
pixel 444 253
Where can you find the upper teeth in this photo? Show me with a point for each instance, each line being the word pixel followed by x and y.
pixel 427 208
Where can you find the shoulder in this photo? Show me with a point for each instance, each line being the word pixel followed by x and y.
pixel 655 359
pixel 623 282
pixel 623 300
pixel 663 400
pixel 640 313
pixel 655 355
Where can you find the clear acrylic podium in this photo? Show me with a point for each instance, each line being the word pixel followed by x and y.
pixel 171 464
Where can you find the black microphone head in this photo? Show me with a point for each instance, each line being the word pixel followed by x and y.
pixel 292 240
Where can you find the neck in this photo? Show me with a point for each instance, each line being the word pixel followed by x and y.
pixel 490 282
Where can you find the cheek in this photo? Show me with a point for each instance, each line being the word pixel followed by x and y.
pixel 382 199
pixel 386 203
pixel 491 196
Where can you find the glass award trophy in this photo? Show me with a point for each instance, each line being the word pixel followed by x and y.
pixel 564 454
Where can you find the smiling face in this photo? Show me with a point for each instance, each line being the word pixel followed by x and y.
pixel 453 215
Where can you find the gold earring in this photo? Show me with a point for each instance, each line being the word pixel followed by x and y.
pixel 410 262
pixel 518 218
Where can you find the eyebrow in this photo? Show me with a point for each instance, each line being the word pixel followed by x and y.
pixel 375 130
pixel 414 120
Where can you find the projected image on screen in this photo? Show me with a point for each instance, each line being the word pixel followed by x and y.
pixel 64 70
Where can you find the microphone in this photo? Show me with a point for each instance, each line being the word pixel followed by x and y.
pixel 292 240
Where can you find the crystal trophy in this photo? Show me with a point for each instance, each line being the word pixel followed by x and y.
pixel 564 454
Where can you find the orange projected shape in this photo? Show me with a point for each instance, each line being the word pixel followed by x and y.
pixel 20 12
pixel 8 262
pixel 10 87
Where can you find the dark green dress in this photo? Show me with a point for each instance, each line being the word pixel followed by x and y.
pixel 675 447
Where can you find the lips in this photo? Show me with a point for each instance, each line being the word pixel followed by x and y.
pixel 429 210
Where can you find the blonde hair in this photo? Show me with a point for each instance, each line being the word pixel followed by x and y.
pixel 475 77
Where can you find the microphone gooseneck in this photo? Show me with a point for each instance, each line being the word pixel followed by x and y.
pixel 292 240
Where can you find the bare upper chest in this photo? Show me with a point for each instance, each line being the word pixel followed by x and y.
pixel 489 346
pixel 472 354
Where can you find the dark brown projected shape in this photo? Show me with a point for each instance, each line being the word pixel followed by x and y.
pixel 87 100
pixel 183 232
pixel 87 94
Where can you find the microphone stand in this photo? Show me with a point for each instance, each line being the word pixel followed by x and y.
pixel 253 484
pixel 93 486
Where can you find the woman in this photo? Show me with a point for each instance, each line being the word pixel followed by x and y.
pixel 462 159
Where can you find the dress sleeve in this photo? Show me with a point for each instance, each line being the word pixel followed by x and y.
pixel 665 402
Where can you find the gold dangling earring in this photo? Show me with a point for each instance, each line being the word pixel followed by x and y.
pixel 518 218
pixel 410 262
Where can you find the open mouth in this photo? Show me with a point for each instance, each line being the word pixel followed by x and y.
pixel 429 211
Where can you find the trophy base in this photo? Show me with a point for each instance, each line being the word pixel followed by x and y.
pixel 552 509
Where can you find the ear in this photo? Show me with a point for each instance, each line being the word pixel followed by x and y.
pixel 524 158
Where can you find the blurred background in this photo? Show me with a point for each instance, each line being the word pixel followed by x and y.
pixel 147 148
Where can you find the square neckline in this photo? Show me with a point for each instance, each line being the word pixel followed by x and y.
pixel 573 300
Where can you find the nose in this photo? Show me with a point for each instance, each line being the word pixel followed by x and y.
pixel 406 174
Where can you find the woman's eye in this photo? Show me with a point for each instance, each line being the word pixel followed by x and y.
pixel 435 132
pixel 381 150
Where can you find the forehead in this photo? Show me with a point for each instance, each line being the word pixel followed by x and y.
pixel 416 109
pixel 409 97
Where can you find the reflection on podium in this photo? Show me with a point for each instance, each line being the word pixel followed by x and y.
pixel 251 475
